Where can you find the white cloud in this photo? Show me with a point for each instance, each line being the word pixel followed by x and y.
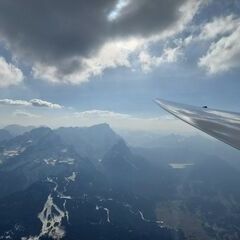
pixel 31 103
pixel 41 103
pixel 20 113
pixel 169 55
pixel 14 102
pixel 100 114
pixel 219 27
pixel 224 54
pixel 111 55
pixel 9 74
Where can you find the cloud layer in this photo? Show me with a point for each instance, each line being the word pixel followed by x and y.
pixel 66 40
pixel 73 41
pixel 24 114
pixel 31 103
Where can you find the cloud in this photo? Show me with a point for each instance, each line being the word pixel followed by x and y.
pixel 64 40
pixel 9 102
pixel 100 114
pixel 31 103
pixel 20 113
pixel 220 26
pixel 9 74
pixel 112 54
pixel 41 103
pixel 223 54
pixel 169 55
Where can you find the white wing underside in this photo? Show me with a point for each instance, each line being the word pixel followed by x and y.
pixel 223 125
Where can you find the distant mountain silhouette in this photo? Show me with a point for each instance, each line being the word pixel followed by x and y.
pixel 92 142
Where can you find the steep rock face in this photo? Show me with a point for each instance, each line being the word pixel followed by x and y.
pixel 123 169
pixel 92 142
pixel 119 159
pixel 132 173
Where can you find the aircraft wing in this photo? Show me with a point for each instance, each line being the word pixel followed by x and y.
pixel 223 125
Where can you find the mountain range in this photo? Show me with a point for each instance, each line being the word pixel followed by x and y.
pixel 87 183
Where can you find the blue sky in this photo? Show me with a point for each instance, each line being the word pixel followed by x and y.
pixel 82 74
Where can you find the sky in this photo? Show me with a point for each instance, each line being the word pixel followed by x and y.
pixel 79 63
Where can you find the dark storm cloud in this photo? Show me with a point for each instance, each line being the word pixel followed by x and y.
pixel 50 30
pixel 146 17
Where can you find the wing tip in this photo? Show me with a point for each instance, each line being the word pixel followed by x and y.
pixel 161 102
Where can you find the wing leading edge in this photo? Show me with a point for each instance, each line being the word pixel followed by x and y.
pixel 223 125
